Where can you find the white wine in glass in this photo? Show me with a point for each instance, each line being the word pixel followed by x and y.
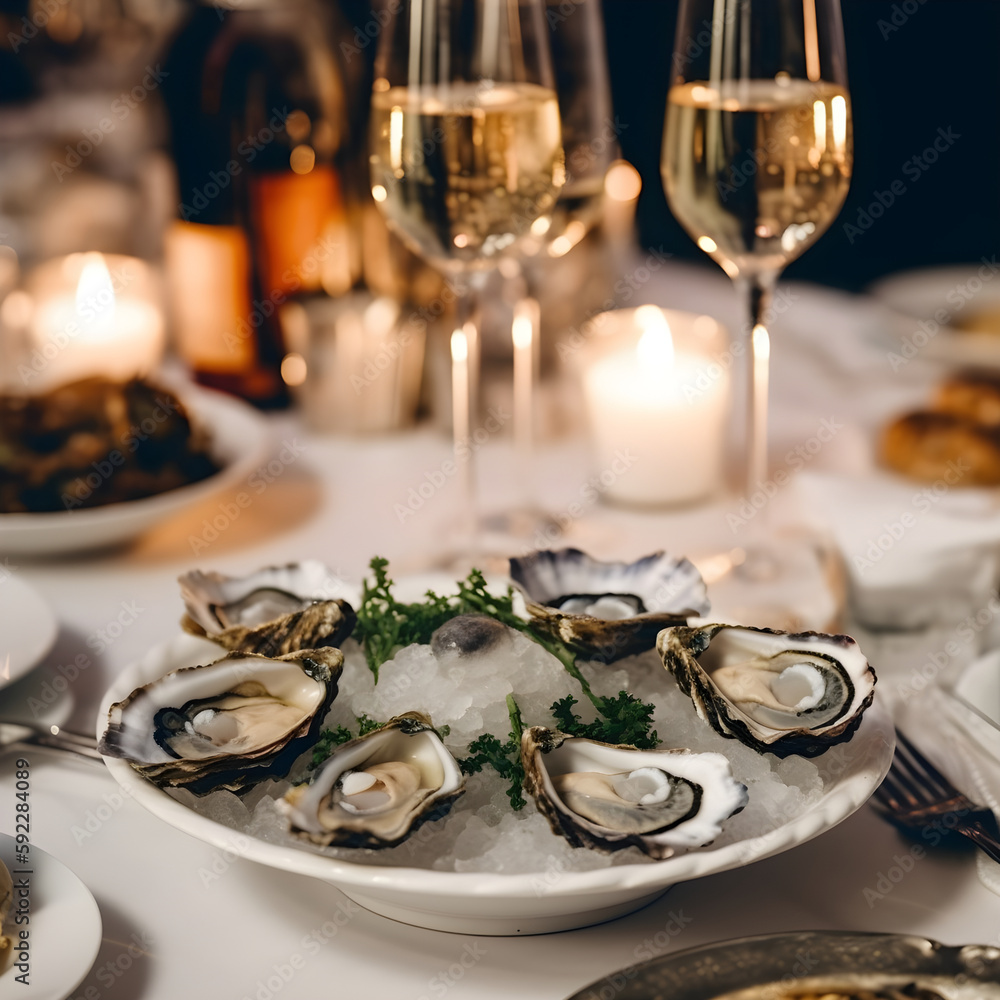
pixel 462 171
pixel 466 157
pixel 757 154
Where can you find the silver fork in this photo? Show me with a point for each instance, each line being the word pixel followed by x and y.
pixel 22 734
pixel 915 794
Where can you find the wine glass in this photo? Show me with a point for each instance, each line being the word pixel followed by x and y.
pixel 466 156
pixel 590 147
pixel 757 156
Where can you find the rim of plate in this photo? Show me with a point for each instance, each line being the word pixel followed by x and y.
pixel 31 611
pixel 844 797
pixel 917 293
pixel 71 908
pixel 241 440
pixel 928 958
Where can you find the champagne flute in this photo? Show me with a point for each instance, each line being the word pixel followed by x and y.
pixel 466 156
pixel 757 155
pixel 590 146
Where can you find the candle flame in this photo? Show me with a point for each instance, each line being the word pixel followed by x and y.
pixel 459 346
pixel 522 332
pixel 656 345
pixel 838 109
pixel 95 298
pixel 622 182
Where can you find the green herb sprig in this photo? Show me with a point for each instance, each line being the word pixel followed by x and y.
pixel 385 625
pixel 504 758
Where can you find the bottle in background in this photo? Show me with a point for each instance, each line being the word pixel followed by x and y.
pixel 255 99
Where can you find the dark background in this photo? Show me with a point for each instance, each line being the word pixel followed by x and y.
pixel 940 69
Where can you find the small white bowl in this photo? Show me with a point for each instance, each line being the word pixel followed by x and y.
pixel 495 904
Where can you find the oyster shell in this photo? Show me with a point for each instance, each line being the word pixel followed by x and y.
pixel 608 610
pixel 274 611
pixel 612 797
pixel 376 790
pixel 781 692
pixel 227 724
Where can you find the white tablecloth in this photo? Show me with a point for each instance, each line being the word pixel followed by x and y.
pixel 216 927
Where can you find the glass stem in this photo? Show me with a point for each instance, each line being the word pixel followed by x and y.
pixel 465 355
pixel 758 290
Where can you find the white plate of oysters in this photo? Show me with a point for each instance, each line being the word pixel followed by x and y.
pixel 412 793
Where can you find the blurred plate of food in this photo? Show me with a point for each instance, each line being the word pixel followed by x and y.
pixel 27 624
pixel 811 965
pixel 955 312
pixel 96 463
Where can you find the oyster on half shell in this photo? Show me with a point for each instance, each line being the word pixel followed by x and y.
pixel 376 790
pixel 276 610
pixel 780 692
pixel 608 610
pixel 612 797
pixel 227 724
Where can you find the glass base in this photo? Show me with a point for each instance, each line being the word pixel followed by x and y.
pixel 793 582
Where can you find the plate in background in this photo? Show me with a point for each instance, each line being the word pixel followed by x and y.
pixel 240 443
pixel 27 625
pixel 64 926
pixel 942 298
pixel 782 966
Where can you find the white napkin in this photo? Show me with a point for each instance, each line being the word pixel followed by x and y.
pixel 915 555
pixel 966 748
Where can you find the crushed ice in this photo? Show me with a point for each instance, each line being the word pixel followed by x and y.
pixel 468 693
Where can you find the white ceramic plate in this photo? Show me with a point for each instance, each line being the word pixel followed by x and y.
pixel 938 296
pixel 240 442
pixel 28 628
pixel 979 687
pixel 64 928
pixel 483 903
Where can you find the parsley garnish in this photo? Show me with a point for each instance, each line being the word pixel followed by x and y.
pixel 625 720
pixel 504 758
pixel 385 625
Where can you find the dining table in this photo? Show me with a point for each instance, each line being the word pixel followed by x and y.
pixel 183 918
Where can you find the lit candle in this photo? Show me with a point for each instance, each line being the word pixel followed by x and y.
pixel 90 320
pixel 658 409
pixel 523 337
